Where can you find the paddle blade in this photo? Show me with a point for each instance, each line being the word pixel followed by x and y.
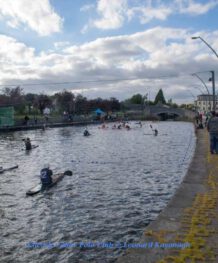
pixel 68 173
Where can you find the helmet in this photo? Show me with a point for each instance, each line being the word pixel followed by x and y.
pixel 46 166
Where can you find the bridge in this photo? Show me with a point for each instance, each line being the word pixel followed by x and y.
pixel 165 112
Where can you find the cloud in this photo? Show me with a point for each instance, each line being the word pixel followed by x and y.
pixel 161 10
pixel 86 27
pixel 86 8
pixel 37 15
pixel 149 12
pixel 113 14
pixel 61 44
pixel 13 51
pixel 193 7
pixel 152 59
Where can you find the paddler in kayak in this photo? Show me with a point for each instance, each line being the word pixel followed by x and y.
pixel 86 132
pixel 127 127
pixel 155 132
pixel 46 176
pixel 140 124
pixel 28 144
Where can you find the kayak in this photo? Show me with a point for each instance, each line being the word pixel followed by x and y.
pixel 8 169
pixel 55 179
pixel 33 147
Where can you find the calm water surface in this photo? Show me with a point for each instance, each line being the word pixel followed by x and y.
pixel 122 180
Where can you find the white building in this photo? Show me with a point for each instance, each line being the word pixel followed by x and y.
pixel 204 103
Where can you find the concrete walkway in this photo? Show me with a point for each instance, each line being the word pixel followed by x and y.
pixel 187 230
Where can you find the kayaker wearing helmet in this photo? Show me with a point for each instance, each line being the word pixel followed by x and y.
pixel 86 132
pixel 46 176
pixel 28 144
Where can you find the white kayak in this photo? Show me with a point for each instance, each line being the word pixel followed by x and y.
pixel 55 179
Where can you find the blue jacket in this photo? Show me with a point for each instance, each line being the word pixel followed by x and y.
pixel 45 176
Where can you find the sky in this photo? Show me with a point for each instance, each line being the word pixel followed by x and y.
pixel 109 48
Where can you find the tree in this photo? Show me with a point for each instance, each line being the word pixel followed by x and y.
pixel 15 97
pixel 13 92
pixel 115 104
pixel 43 101
pixel 137 99
pixel 174 105
pixel 183 106
pixel 65 101
pixel 31 100
pixel 160 97
pixel 81 105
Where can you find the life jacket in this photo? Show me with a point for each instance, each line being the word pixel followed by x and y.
pixel 45 176
pixel 86 133
pixel 28 145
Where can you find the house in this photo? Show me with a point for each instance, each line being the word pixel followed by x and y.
pixel 204 103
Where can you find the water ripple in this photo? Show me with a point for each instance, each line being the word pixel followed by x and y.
pixel 121 181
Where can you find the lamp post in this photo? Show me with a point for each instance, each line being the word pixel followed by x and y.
pixel 213 87
pixel 206 44
pixel 196 75
pixel 198 88
pixel 212 72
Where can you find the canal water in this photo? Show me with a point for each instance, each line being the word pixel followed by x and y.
pixel 121 181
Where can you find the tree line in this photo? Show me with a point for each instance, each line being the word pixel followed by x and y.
pixel 66 101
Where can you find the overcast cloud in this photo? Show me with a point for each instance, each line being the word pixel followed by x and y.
pixel 38 15
pixel 156 57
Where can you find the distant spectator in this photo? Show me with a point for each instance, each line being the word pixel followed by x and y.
pixel 65 115
pixel 200 117
pixel 199 121
pixel 197 118
pixel 35 120
pixel 70 117
pixel 46 118
pixel 212 128
pixel 26 119
pixel 207 119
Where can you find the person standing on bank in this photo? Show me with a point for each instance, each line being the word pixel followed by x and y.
pixel 212 127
